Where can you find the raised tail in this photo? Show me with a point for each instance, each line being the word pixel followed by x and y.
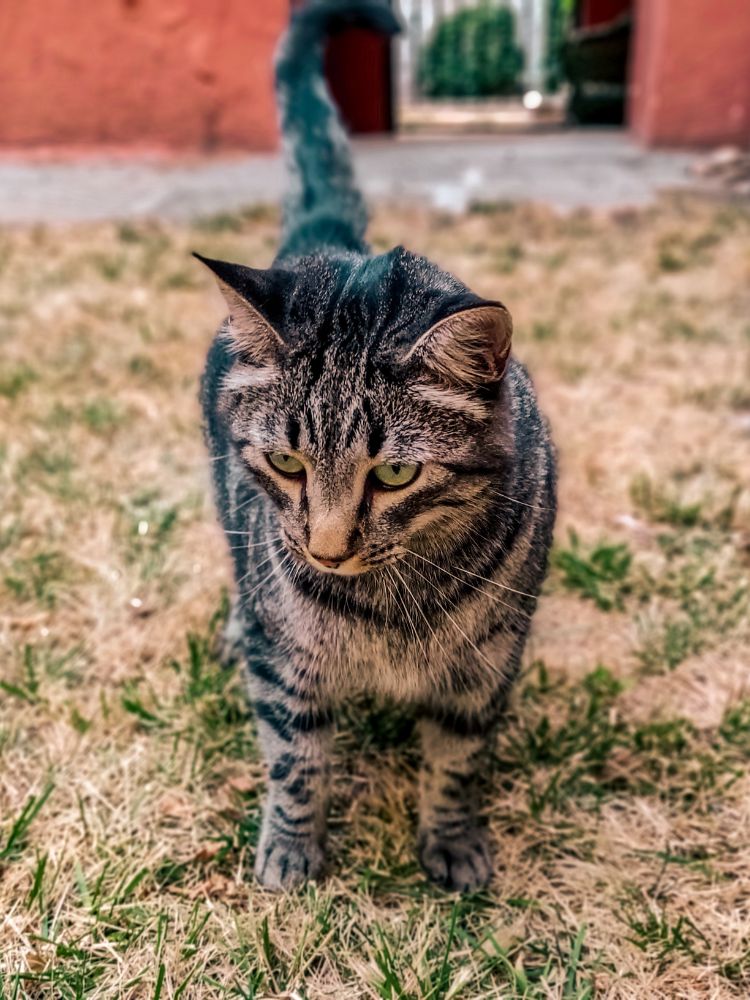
pixel 324 207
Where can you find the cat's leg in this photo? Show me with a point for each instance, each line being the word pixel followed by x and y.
pixel 453 846
pixel 295 736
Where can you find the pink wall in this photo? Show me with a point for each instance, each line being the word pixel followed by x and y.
pixel 138 74
pixel 690 76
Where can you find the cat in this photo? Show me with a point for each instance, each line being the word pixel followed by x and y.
pixel 387 486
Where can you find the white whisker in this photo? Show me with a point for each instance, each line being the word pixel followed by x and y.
pixel 246 503
pixel 397 597
pixel 419 608
pixel 255 545
pixel 522 503
pixel 247 534
pixel 484 579
pixel 266 578
pixel 450 617
pixel 254 567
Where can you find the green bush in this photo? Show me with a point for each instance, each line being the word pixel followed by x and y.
pixel 559 19
pixel 473 53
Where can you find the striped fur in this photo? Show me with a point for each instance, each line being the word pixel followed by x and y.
pixel 327 356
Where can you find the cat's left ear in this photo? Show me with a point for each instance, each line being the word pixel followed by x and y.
pixel 470 347
pixel 251 331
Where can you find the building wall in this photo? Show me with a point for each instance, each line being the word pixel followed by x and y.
pixel 139 74
pixel 690 76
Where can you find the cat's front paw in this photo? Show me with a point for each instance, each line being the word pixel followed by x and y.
pixel 285 863
pixel 457 863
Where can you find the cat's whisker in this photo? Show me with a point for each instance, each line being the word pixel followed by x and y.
pixel 404 608
pixel 257 587
pixel 493 597
pixel 266 578
pixel 420 609
pixel 255 545
pixel 478 576
pixel 522 503
pixel 449 616
pixel 247 534
pixel 255 566
pixel 247 503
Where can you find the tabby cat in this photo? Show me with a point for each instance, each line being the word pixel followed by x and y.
pixel 387 486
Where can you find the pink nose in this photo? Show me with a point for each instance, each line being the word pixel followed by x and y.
pixel 330 563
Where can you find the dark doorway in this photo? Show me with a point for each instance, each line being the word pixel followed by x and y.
pixel 359 72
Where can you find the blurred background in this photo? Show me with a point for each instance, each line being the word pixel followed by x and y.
pixel 578 90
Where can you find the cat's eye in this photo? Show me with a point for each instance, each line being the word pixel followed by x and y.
pixel 287 465
pixel 394 475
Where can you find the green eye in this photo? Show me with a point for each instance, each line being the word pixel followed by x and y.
pixel 287 465
pixel 395 475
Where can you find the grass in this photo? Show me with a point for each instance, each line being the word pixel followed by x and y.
pixel 601 574
pixel 130 779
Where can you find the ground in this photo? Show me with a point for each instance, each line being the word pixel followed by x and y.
pixel 570 169
pixel 129 776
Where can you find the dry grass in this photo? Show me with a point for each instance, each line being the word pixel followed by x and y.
pixel 129 778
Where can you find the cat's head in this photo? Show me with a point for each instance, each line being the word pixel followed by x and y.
pixel 364 399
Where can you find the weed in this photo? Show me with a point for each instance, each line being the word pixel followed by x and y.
pixel 13 842
pixel 38 577
pixel 14 381
pixel 101 416
pixel 543 331
pixel 662 507
pixel 600 574
pixel 655 931
pixel 506 259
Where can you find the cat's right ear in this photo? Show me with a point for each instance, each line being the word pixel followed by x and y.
pixel 251 333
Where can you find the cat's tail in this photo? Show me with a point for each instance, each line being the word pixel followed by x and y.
pixel 324 207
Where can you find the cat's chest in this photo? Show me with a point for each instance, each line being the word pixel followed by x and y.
pixel 349 653
pixel 344 653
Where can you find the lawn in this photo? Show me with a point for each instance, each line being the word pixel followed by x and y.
pixel 130 779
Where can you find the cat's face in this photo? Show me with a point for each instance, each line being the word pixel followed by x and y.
pixel 366 420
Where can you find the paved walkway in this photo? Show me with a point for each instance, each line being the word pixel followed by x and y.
pixel 564 169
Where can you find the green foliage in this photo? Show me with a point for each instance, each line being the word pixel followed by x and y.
pixel 600 573
pixel 101 415
pixel 569 743
pixel 12 841
pixel 559 15
pixel 654 931
pixel 38 577
pixel 660 506
pixel 13 381
pixel 473 53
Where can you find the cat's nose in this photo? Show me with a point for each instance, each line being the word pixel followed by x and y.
pixel 331 563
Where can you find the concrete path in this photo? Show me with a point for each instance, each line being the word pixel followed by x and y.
pixel 565 169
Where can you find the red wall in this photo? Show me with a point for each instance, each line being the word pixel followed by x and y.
pixel 148 74
pixel 690 79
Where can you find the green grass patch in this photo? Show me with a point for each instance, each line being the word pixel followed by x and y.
pixel 13 381
pixel 570 744
pixel 39 578
pixel 599 573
